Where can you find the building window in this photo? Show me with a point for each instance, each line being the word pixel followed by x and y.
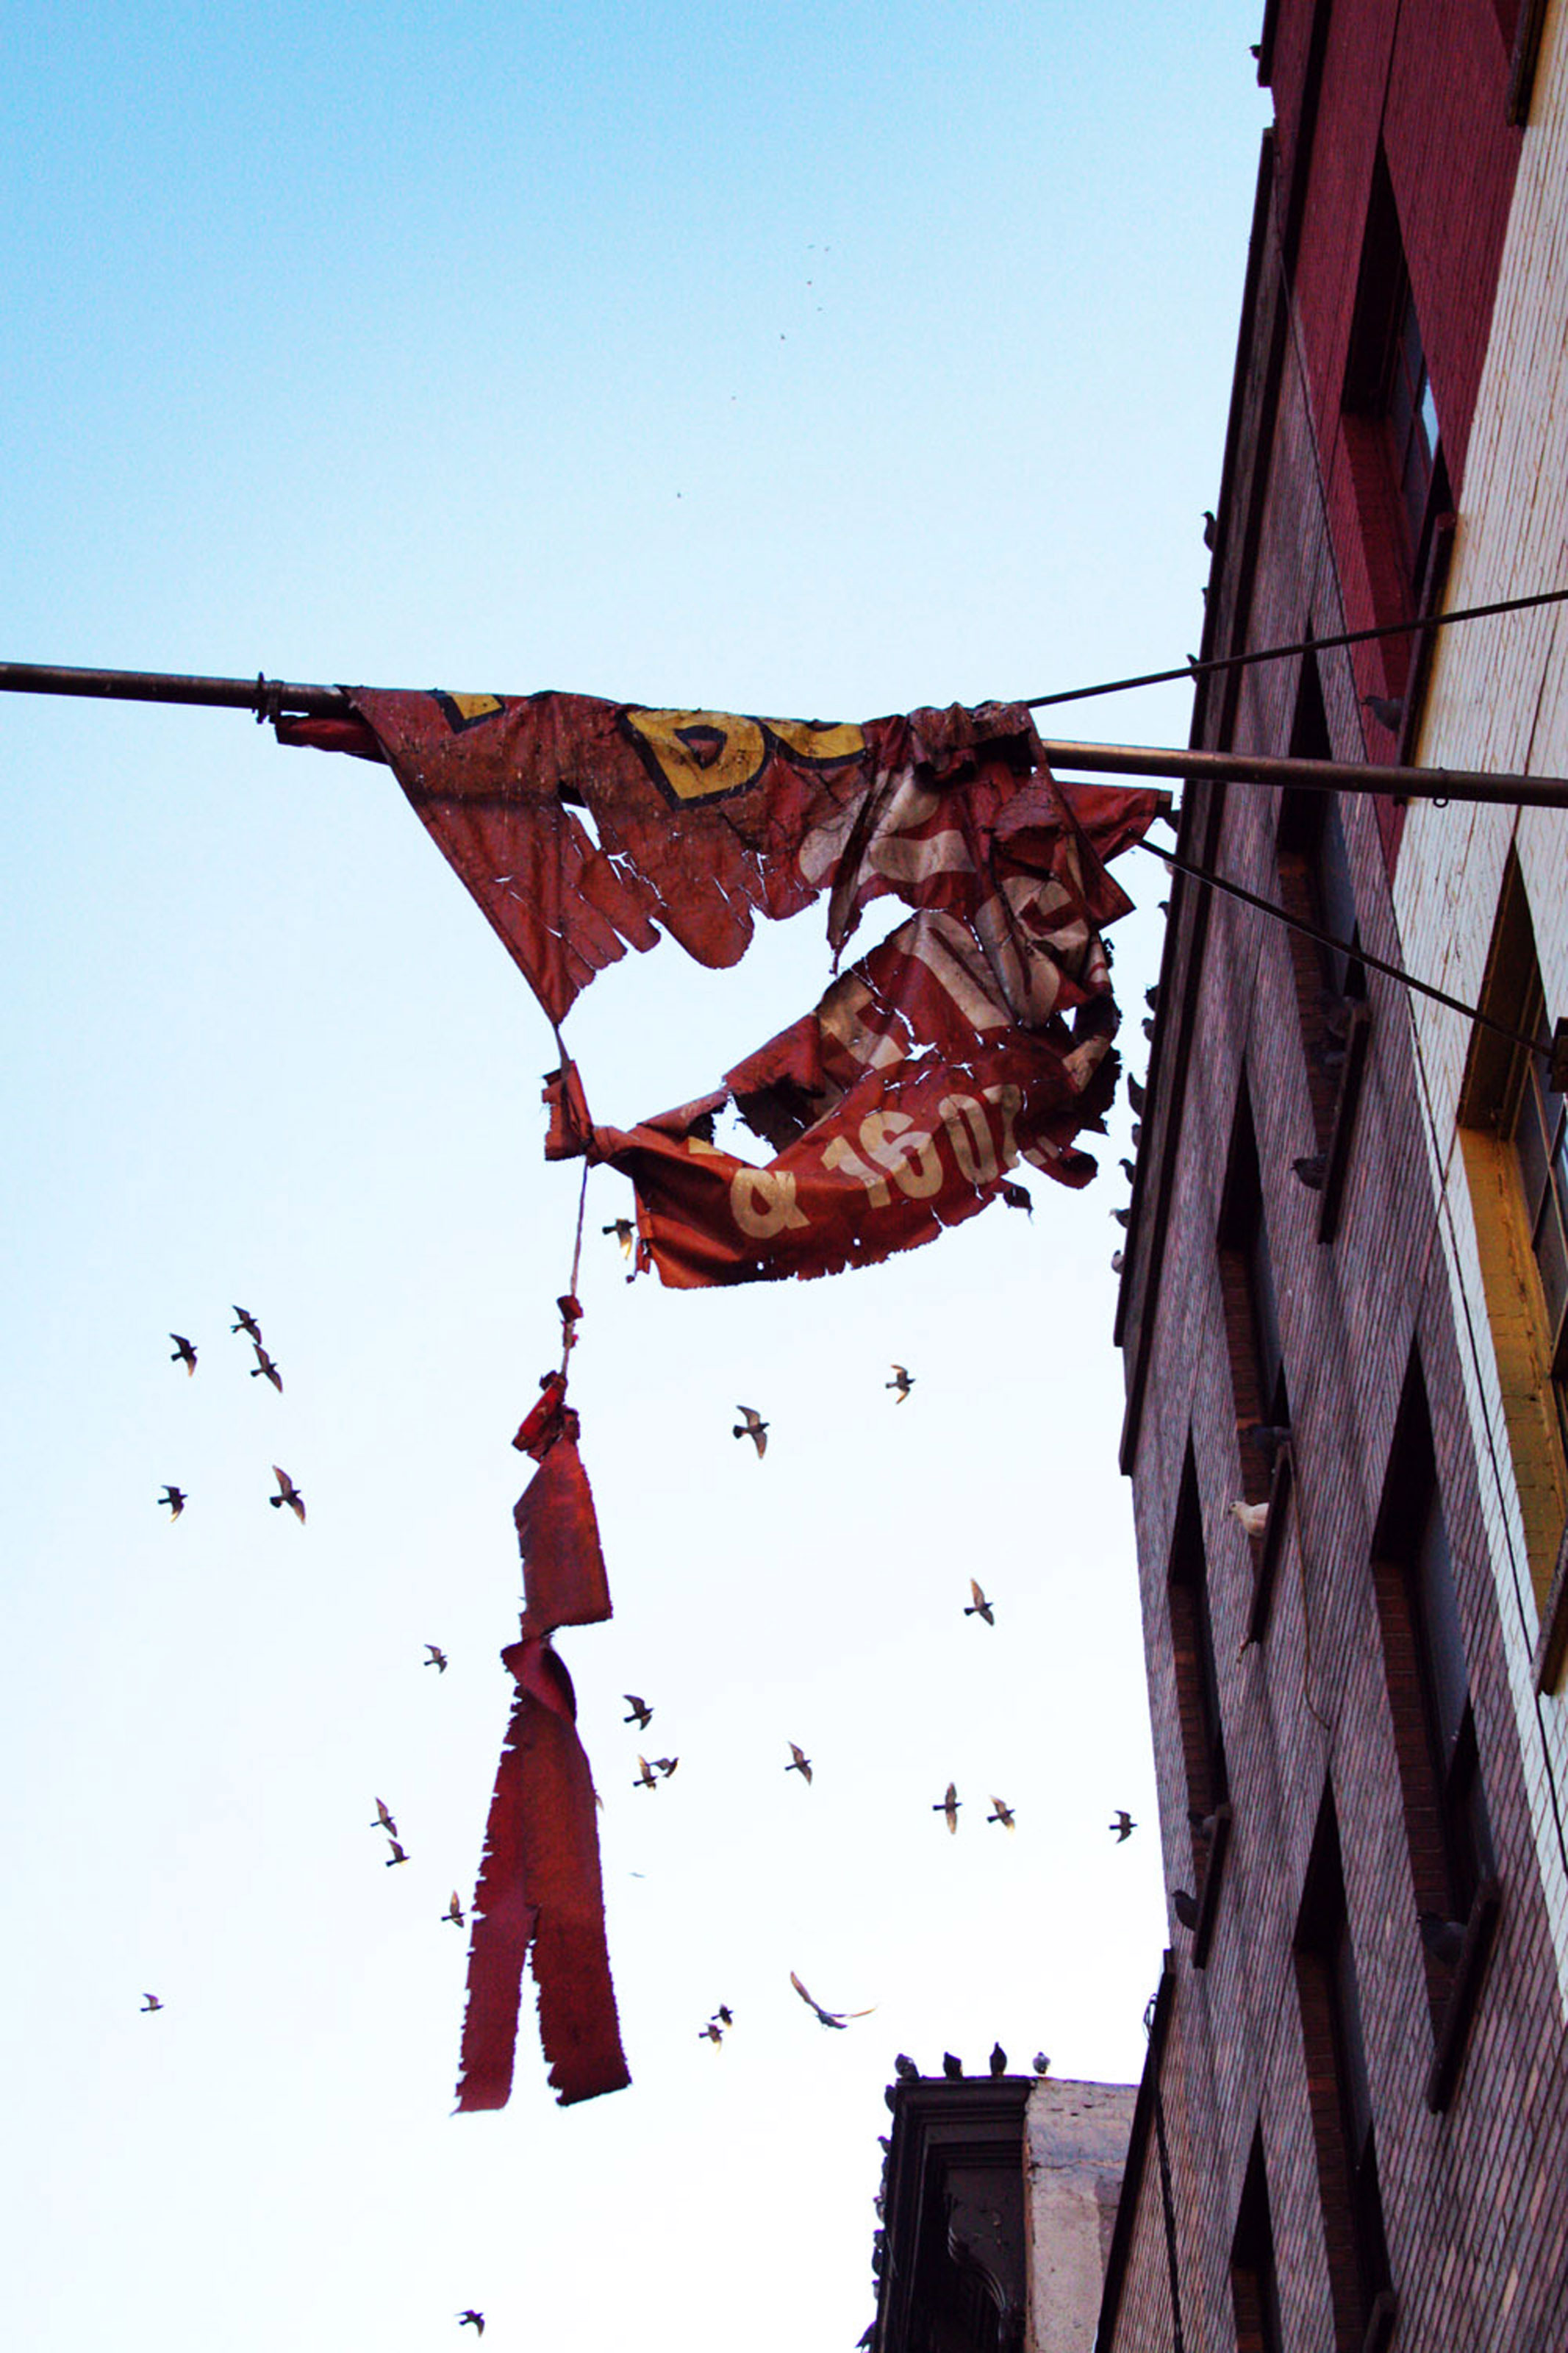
pixel 1197 1700
pixel 1251 1309
pixel 1315 887
pixel 1445 1820
pixel 1514 1131
pixel 1253 2280
pixel 1339 2088
pixel 1391 422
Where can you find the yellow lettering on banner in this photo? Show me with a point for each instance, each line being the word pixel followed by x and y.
pixel 762 1202
pixel 892 1140
pixel 701 754
pixel 838 1152
pixel 968 1130
pixel 814 739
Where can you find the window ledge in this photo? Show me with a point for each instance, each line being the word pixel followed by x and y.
pixel 1380 2321
pixel 1357 1039
pixel 1453 2027
pixel 1208 1901
pixel 1552 1640
pixel 1269 1543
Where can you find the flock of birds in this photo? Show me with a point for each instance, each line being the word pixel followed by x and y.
pixel 176 1498
pixel 650 1771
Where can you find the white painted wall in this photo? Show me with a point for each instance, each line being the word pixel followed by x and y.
pixel 1497 699
pixel 1075 2148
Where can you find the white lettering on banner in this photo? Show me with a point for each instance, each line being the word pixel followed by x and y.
pixel 837 1153
pixel 762 1203
pixel 968 1130
pixel 904 858
pixel 905 1151
pixel 839 1015
pixel 1008 1100
pixel 932 938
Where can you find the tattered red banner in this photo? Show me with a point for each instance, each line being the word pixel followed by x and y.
pixel 977 1036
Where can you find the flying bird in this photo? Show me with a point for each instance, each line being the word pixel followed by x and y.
pixel 752 1426
pixel 471 2319
pixel 184 1352
pixel 287 1494
pixel 149 2001
pixel 802 1762
pixel 1123 1826
pixel 433 1658
pixel 396 1856
pixel 950 1806
pixel 265 1369
pixel 713 2031
pixel 998 2062
pixel 979 1607
pixel 724 2014
pixel 454 1911
pixel 175 1499
pixel 647 1778
pixel 623 1232
pixel 839 2018
pixel 1004 1814
pixel 1254 1517
pixel 903 1381
pixel 640 1711
pixel 664 1765
pixel 384 1820
pixel 247 1324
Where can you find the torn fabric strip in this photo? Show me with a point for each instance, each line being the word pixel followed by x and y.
pixel 540 1889
pixel 978 1034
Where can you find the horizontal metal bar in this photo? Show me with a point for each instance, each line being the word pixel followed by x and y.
pixel 270 697
pixel 265 696
pixel 1312 776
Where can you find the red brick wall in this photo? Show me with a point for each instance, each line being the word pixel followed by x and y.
pixel 1475 2199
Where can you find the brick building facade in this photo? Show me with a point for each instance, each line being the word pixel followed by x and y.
pixel 1344 1300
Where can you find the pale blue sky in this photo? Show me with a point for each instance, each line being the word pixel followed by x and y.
pixel 806 360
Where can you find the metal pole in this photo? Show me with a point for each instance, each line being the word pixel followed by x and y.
pixel 266 697
pixel 1310 776
pixel 272 698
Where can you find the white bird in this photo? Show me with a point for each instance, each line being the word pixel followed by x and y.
pixel 1254 1517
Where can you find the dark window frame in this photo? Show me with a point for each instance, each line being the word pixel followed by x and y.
pixel 1254 2270
pixel 1342 2113
pixel 1206 1771
pixel 1447 1825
